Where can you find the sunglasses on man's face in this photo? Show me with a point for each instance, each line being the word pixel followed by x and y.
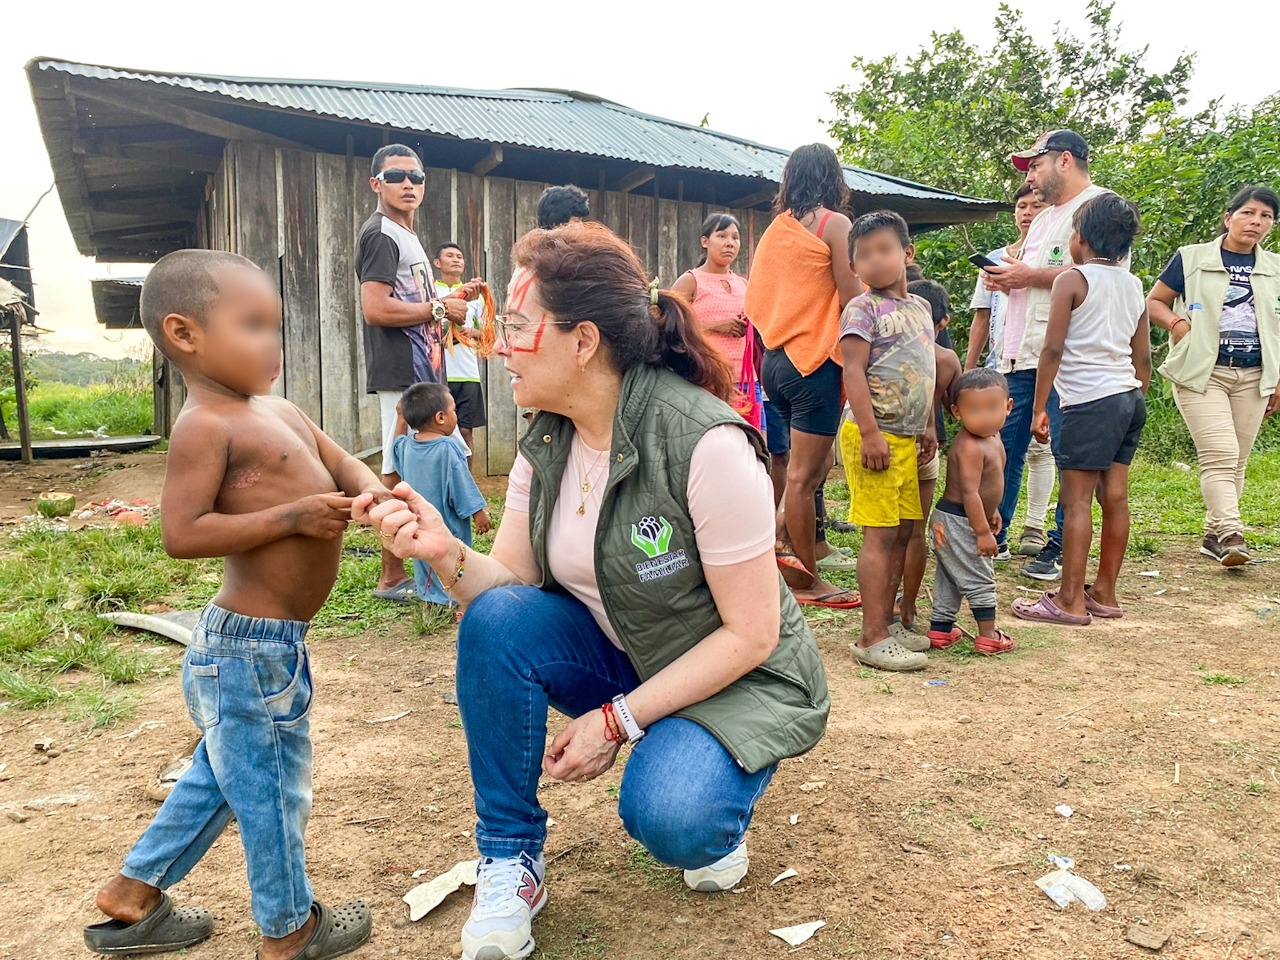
pixel 397 175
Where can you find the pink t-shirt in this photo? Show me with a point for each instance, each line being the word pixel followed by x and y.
pixel 720 297
pixel 730 502
pixel 1015 316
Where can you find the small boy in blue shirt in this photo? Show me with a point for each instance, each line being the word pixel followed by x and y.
pixel 434 464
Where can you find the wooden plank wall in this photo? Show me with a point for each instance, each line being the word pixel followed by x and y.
pixel 297 214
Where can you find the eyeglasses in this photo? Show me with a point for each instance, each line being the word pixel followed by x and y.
pixel 521 334
pixel 398 174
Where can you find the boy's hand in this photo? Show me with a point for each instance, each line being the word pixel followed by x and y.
pixel 1040 426
pixel 482 522
pixel 875 451
pixel 987 544
pixel 409 526
pixel 323 516
pixel 997 523
pixel 928 446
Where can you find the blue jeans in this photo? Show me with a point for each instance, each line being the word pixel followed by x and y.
pixel 522 649
pixel 247 682
pixel 1016 437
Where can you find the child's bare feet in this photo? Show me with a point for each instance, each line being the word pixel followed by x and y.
pixel 127 900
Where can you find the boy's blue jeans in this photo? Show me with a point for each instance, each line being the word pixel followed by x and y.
pixel 1016 436
pixel 247 683
pixel 522 649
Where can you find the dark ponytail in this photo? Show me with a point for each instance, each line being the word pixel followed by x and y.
pixel 587 273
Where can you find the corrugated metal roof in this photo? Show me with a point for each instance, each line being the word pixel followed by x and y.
pixel 566 122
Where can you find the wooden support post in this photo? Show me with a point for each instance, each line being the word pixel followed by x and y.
pixel 488 163
pixel 637 178
pixel 20 385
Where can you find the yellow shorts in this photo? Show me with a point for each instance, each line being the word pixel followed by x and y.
pixel 881 498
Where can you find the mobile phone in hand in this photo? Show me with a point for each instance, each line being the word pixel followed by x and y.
pixel 981 262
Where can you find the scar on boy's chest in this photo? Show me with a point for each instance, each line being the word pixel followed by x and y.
pixel 244 477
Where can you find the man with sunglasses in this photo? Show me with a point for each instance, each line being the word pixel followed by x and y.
pixel 403 318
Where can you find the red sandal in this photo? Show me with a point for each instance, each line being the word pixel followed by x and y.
pixel 990 646
pixel 940 641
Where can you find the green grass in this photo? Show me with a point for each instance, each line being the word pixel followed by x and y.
pixel 122 407
pixel 55 651
pixel 1223 680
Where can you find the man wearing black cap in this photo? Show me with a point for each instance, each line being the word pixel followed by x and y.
pixel 1057 168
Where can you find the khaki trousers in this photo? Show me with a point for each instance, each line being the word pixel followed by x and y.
pixel 1224 421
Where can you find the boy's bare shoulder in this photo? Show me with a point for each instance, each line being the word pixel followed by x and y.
pixel 200 421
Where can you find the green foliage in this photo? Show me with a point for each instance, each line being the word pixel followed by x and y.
pixel 81 369
pixel 123 406
pixel 951 114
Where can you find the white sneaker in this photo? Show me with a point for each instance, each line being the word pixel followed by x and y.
pixel 509 894
pixel 725 874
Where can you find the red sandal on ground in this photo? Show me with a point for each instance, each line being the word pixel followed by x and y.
pixel 940 641
pixel 990 646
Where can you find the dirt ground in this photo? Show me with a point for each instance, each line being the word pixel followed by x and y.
pixel 924 817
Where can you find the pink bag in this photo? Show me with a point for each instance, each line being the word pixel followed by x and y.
pixel 751 405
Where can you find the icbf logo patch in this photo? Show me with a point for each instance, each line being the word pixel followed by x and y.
pixel 652 536
pixel 1057 256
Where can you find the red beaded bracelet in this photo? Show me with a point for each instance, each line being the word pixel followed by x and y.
pixel 612 731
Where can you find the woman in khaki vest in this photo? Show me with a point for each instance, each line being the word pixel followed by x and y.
pixel 1220 302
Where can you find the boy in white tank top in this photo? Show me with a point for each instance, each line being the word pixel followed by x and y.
pixel 1097 353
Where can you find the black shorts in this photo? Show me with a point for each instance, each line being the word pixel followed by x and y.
pixel 777 432
pixel 1102 432
pixel 809 404
pixel 470 402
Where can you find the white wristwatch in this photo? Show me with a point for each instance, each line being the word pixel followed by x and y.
pixel 629 725
pixel 438 312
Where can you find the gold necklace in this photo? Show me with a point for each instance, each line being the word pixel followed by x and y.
pixel 584 474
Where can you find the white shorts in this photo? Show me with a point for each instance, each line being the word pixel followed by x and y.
pixel 388 400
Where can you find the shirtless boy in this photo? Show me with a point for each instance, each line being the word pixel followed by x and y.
pixel 966 521
pixel 251 479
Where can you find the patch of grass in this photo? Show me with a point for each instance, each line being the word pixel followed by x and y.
pixel 25 692
pixel 979 823
pixel 1223 679
pixel 102 709
pixel 655 874
pixel 430 619
pixel 121 407
pixel 580 939
pixel 1256 787
pixel 614 791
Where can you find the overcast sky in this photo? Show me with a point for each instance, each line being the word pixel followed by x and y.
pixel 754 71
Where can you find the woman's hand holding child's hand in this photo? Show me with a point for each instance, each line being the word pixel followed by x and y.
pixel 408 525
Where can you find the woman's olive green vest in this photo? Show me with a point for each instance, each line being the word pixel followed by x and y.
pixel 650 577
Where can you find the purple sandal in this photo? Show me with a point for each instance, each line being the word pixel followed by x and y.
pixel 1100 609
pixel 1044 610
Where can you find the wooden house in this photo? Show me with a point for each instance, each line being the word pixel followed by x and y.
pixel 278 171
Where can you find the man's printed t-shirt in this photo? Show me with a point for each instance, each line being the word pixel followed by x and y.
pixel 398 357
pixel 901 368
pixel 1238 324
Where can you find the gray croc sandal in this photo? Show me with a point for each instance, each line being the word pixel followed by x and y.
pixel 405 592
pixel 339 930
pixel 889 655
pixel 163 929
pixel 911 641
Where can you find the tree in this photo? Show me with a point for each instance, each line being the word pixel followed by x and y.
pixel 951 114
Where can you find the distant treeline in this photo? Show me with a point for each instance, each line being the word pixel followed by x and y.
pixel 80 369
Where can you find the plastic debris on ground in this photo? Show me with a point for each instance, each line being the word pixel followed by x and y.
pixel 935 683
pixel 1063 809
pixel 105 513
pixel 1148 573
pixel 800 933
pixel 1064 887
pixel 793 819
pixel 425 897
pixel 786 874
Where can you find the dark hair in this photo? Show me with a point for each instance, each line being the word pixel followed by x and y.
pixel 585 272
pixel 979 378
pixel 391 150
pixel 914 273
pixel 1021 192
pixel 1108 223
pixel 1255 192
pixel 184 282
pixel 879 220
pixel 447 245
pixel 714 224
pixel 558 205
pixel 812 178
pixel 421 402
pixel 936 294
